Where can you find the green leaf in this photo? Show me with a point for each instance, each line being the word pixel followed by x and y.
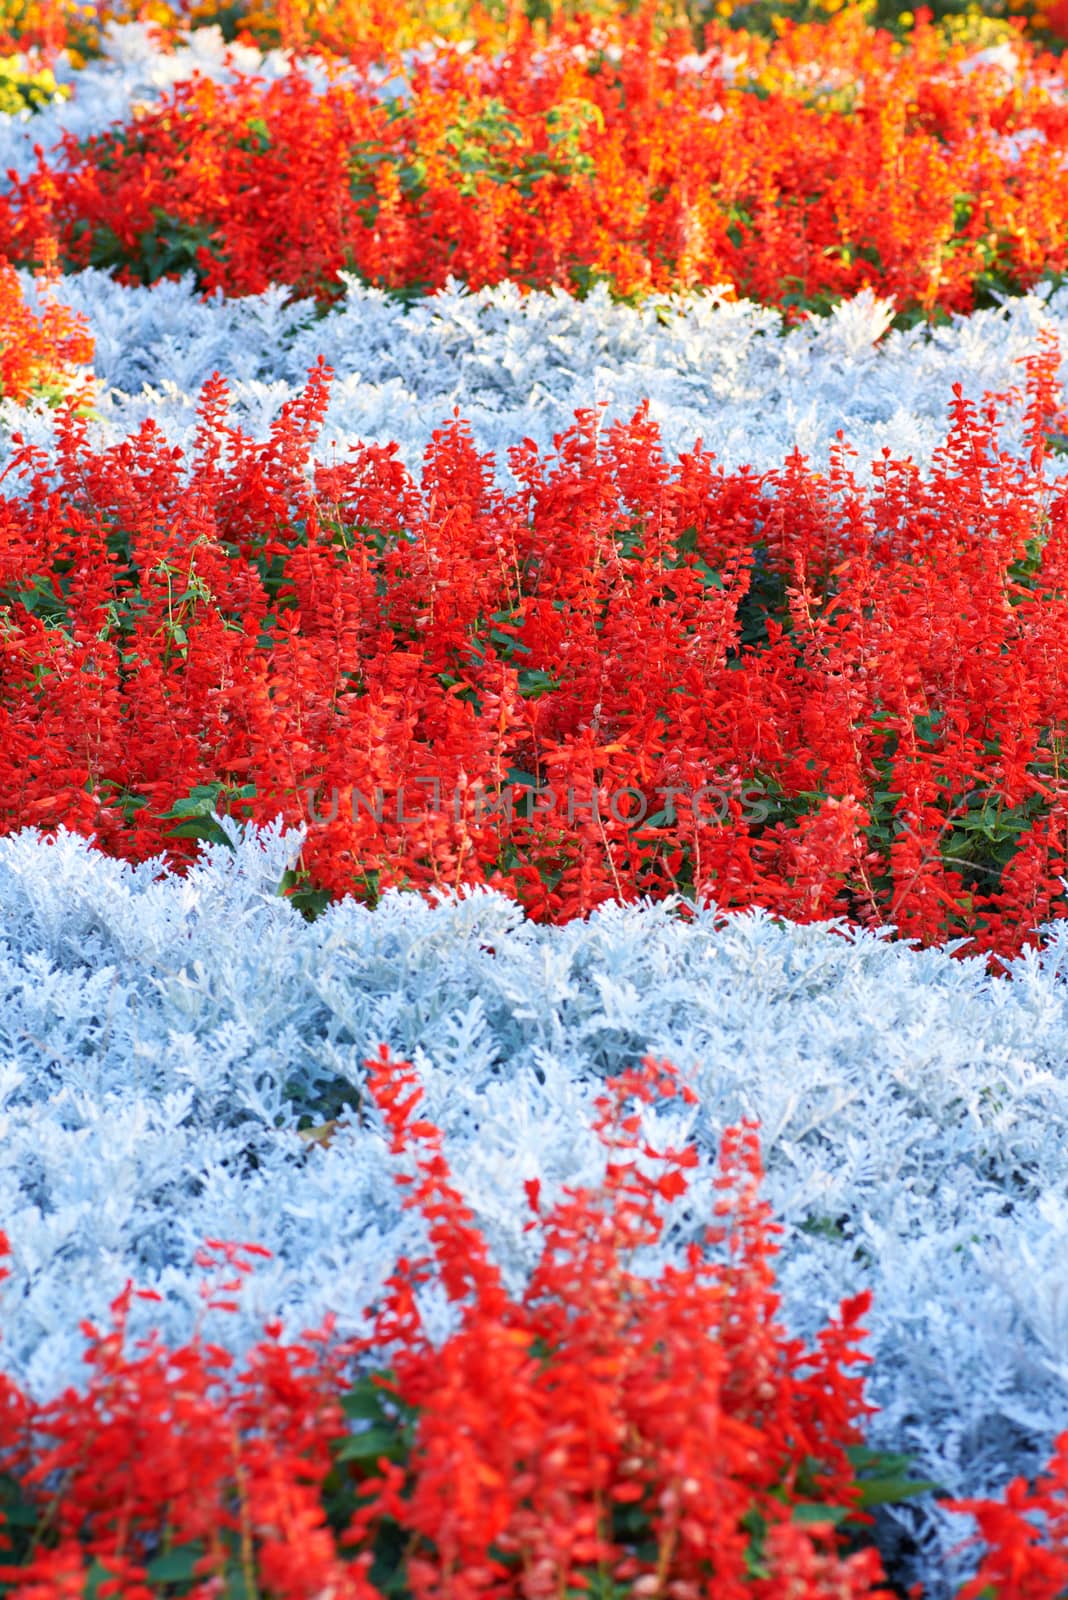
pixel 96 1575
pixel 882 1477
pixel 364 1401
pixel 534 682
pixel 311 903
pixel 204 828
pixel 888 1491
pixel 200 801
pixel 810 1512
pixel 176 1566
pixel 374 1442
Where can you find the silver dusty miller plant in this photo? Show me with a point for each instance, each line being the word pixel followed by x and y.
pixel 163 1039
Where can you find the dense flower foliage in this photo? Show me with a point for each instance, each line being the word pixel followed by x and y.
pixel 370 30
pixel 183 1058
pixel 584 1412
pixel 613 677
pixel 798 170
pixel 22 88
pixel 631 677
pixel 39 352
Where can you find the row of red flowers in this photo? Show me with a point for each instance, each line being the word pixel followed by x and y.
pixel 836 159
pixel 632 676
pixel 603 1433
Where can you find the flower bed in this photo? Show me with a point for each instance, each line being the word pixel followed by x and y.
pixel 167 1040
pixel 518 366
pixel 632 677
pixel 799 171
pixel 683 753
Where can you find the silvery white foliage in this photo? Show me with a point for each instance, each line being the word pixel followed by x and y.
pixel 168 334
pixel 519 365
pixel 160 1036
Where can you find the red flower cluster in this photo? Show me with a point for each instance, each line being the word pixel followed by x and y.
pixel 632 677
pixel 37 352
pixel 1025 1535
pixel 170 1464
pixel 604 1396
pixel 43 27
pixel 835 159
pixel 662 1435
